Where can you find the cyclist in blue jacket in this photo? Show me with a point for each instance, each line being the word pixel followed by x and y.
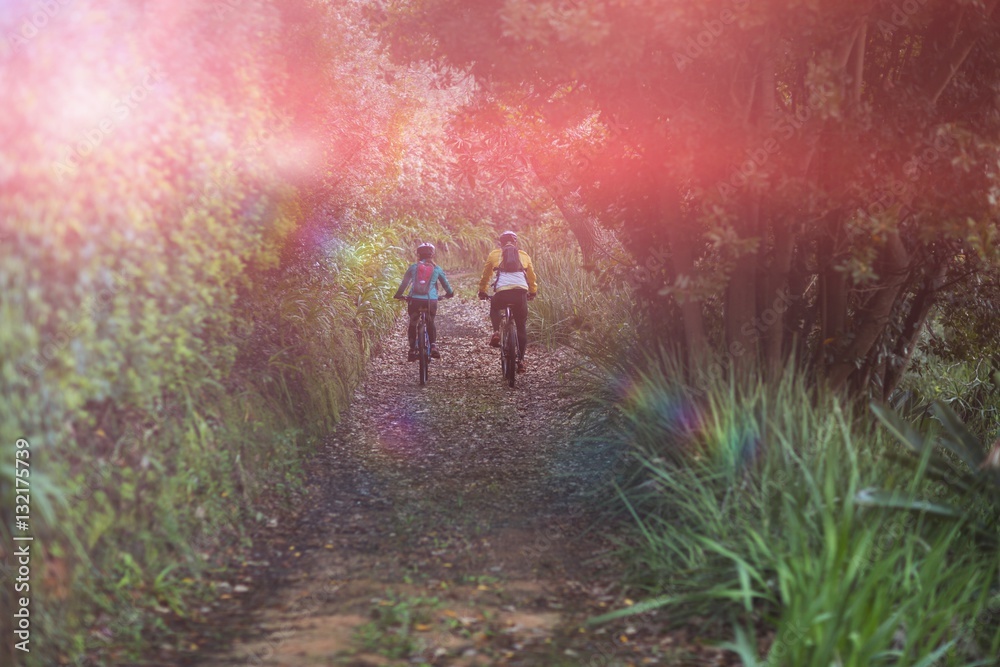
pixel 425 275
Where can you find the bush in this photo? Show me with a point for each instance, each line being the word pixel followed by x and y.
pixel 169 357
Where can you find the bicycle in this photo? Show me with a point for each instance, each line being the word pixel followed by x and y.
pixel 508 345
pixel 423 345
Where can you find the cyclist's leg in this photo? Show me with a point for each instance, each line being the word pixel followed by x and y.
pixel 519 306
pixel 432 307
pixel 495 309
pixel 411 332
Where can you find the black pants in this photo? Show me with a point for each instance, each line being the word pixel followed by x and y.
pixel 517 299
pixel 413 308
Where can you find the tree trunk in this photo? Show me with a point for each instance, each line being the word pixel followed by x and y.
pixel 580 224
pixel 915 320
pixel 743 309
pixel 778 299
pixel 832 291
pixel 802 311
pixel 957 45
pixel 576 217
pixel 741 322
pixel 874 316
pixel 682 256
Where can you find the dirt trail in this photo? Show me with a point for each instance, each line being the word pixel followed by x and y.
pixel 446 524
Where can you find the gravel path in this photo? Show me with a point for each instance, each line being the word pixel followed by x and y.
pixel 446 524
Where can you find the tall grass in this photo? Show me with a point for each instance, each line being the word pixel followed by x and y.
pixel 752 507
pixel 462 245
pixel 575 305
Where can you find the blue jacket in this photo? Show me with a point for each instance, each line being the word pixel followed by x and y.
pixel 437 276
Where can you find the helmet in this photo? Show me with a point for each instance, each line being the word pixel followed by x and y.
pixel 425 250
pixel 508 237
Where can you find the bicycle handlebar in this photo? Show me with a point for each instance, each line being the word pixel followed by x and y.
pixel 410 298
pixel 490 298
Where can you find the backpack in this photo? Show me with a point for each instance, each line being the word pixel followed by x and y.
pixel 510 260
pixel 422 279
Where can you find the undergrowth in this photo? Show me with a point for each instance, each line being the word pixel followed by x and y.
pixel 135 514
pixel 778 512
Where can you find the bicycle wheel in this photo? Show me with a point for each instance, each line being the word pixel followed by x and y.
pixel 510 351
pixel 423 350
pixel 503 347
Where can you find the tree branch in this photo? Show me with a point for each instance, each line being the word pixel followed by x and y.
pixel 954 57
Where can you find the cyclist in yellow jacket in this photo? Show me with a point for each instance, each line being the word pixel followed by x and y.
pixel 514 284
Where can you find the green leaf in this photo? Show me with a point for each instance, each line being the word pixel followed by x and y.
pixel 961 441
pixel 899 427
pixel 890 500
pixel 931 659
pixel 744 647
pixel 638 608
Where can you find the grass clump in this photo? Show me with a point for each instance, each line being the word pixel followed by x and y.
pixel 776 510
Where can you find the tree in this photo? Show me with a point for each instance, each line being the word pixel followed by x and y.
pixel 816 171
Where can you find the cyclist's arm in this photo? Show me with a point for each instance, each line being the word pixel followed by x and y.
pixel 407 278
pixel 491 263
pixel 443 279
pixel 529 274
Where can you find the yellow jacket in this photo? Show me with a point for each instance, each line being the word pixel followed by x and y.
pixel 493 261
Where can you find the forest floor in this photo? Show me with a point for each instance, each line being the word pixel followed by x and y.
pixel 451 524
